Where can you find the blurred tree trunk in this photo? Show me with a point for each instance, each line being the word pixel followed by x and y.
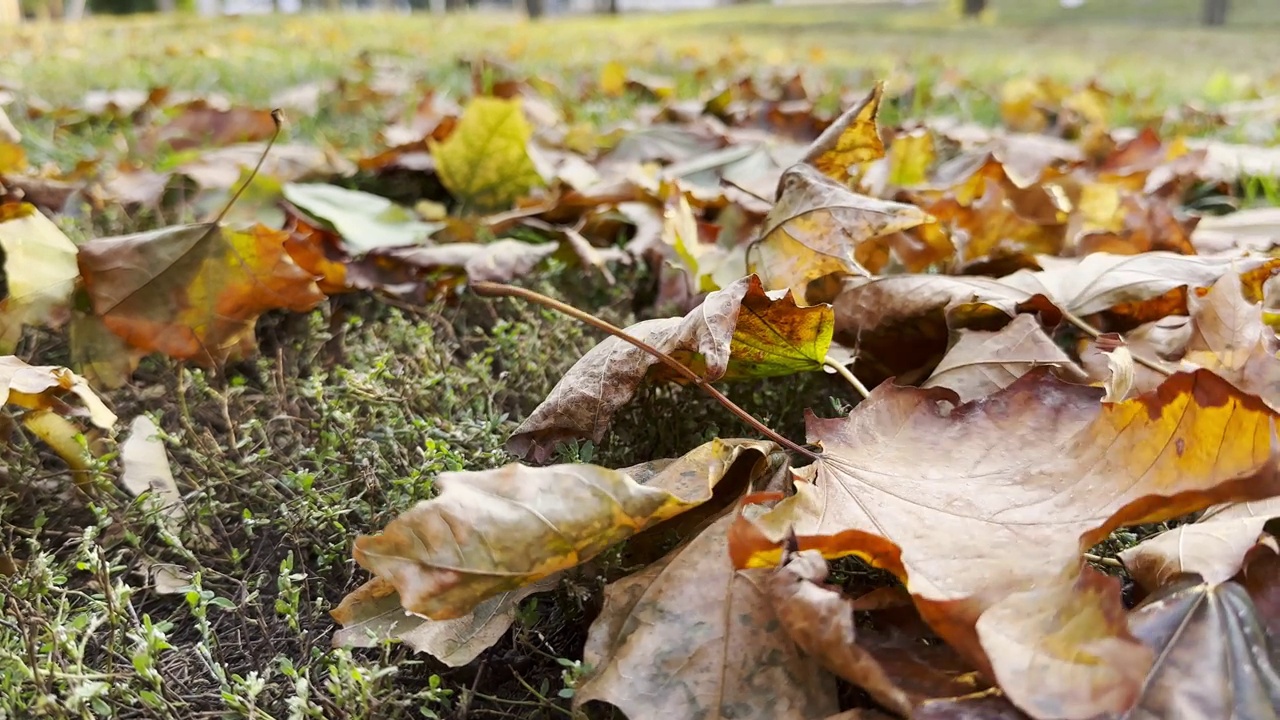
pixel 1215 12
pixel 535 8
pixel 973 8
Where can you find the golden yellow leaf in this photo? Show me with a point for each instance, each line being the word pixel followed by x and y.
pixel 485 163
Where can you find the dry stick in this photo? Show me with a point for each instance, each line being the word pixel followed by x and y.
pixel 1093 332
pixel 492 289
pixel 848 375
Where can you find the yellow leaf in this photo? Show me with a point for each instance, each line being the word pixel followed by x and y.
pixel 40 266
pixel 485 163
pixel 613 78
pixel 852 140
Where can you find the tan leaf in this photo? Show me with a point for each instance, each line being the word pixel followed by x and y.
pixel 816 228
pixel 372 614
pixel 495 531
pixel 145 469
pixel 689 636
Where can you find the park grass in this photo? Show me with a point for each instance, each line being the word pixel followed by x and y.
pixel 349 412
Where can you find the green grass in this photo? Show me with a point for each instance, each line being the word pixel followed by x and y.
pixel 349 412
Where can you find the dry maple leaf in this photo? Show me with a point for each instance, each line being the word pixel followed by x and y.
pixel 738 332
pixel 982 362
pixel 193 292
pixel 494 531
pixel 1214 659
pixel 201 124
pixel 816 228
pixel 951 499
pixel 690 636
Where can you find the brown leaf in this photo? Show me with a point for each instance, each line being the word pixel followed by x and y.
pixel 1161 340
pixel 993 226
pixel 738 332
pixel 982 362
pixel 1214 659
pixel 495 531
pixel 1214 547
pixel 690 636
pixel 193 292
pixel 498 261
pixel 890 668
pixel 952 499
pixel 816 228
pixel 201 124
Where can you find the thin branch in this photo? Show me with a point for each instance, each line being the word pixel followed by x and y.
pixel 1093 332
pixel 848 375
pixel 492 289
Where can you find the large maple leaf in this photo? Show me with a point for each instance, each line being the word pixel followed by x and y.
pixel 985 508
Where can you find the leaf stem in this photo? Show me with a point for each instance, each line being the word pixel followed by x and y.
pixel 1093 332
pixel 493 289
pixel 277 118
pixel 848 375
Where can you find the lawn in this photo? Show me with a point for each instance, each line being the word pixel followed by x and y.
pixel 347 413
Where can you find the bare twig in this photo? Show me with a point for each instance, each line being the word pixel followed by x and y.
pixel 492 289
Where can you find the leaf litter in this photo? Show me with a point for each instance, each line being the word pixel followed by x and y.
pixel 990 285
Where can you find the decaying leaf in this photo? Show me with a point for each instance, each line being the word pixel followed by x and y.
pixel 690 636
pixel 365 222
pixel 484 163
pixel 1214 659
pixel 1041 464
pixel 1229 337
pixel 372 614
pixel 495 531
pixel 816 228
pixel 738 332
pixel 1214 547
pixel 498 261
pixel 39 269
pixel 193 292
pixel 982 362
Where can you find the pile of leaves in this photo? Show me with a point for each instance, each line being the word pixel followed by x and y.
pixel 1057 349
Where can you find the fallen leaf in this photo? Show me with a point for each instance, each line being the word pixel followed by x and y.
pixel 498 261
pixel 8 133
pixel 817 227
pixel 738 332
pixel 371 615
pixel 485 163
pixel 201 124
pixel 1163 340
pixel 39 269
pixel 982 362
pixel 223 168
pixel 1254 230
pixel 690 636
pixel 38 387
pixel 1214 547
pixel 1041 464
pixel 145 469
pixel 1214 659
pixel 495 531
pixel 365 222
pixel 193 292
pixel 850 141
